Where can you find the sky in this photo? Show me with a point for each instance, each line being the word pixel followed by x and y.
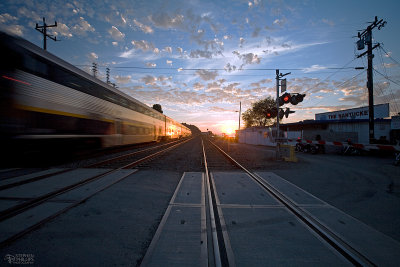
pixel 200 59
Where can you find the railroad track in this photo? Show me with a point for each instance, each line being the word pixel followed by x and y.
pixel 220 229
pixel 89 182
pixel 220 249
pixel 120 161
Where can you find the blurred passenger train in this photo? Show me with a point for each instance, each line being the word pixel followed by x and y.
pixel 45 101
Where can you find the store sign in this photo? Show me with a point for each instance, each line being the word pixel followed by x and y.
pixel 381 111
pixel 395 122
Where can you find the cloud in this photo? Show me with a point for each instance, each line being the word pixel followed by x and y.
pixel 231 88
pixel 82 27
pixel 198 86
pixel 241 41
pixel 200 54
pixel 388 54
pixel 142 27
pixel 30 14
pixel 390 65
pixel 123 79
pixel 329 22
pixel 214 86
pixel 256 32
pixel 248 58
pixel 149 80
pixel 314 68
pixel 144 46
pixel 206 75
pixel 266 81
pixel 280 22
pixel 168 49
pixel 62 30
pixel 228 67
pixel 219 109
pixel 127 54
pixel 13 29
pixel 92 56
pixel 116 34
pixel 166 21
pixel 5 18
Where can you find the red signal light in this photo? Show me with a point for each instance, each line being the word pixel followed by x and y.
pixel 286 99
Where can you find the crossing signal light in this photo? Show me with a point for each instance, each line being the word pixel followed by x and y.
pixel 296 98
pixel 271 113
pixel 284 99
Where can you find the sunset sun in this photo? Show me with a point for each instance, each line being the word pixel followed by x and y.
pixel 228 127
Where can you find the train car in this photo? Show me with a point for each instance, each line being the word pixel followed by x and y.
pixel 45 101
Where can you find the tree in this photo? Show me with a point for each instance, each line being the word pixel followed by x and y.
pixel 158 108
pixel 256 115
pixel 193 128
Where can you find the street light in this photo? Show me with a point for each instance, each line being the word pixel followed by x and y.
pixel 240 112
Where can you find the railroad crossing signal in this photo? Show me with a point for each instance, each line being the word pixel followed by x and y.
pixel 296 98
pixel 285 113
pixel 293 98
pixel 284 99
pixel 273 113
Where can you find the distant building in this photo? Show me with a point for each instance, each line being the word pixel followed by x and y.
pixel 332 126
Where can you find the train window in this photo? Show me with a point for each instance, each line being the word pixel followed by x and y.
pixel 35 65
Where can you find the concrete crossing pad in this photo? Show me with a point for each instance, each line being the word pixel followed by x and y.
pixel 259 231
pixel 181 238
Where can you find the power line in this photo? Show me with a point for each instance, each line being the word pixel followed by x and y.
pixel 330 76
pixel 392 96
pixel 217 69
pixel 386 77
pixel 389 56
pixel 352 78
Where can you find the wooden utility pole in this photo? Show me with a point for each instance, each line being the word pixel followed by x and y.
pixel 43 30
pixel 365 37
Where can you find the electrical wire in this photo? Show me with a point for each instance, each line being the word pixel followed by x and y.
pixel 389 56
pixel 329 76
pixel 355 76
pixel 392 96
pixel 216 69
pixel 387 78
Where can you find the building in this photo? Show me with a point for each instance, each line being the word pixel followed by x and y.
pixel 332 126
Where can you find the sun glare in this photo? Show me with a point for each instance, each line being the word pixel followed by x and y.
pixel 228 128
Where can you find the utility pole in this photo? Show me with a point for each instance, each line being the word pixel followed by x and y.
pixel 43 30
pixel 240 113
pixel 108 75
pixel 94 69
pixel 278 76
pixel 365 37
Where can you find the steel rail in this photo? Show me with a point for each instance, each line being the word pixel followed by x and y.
pixel 127 155
pixel 22 233
pixel 217 256
pixel 41 177
pixel 17 209
pixel 346 250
